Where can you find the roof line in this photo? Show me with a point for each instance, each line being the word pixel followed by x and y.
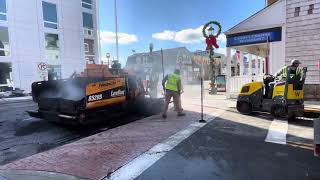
pixel 255 14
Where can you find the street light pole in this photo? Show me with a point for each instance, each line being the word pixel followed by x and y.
pixel 116 26
pixel 108 57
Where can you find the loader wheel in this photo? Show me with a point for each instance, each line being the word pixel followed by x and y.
pixel 244 108
pixel 291 117
pixel 279 111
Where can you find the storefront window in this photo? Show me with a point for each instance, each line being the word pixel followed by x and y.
pixel 52 46
pixel 54 72
pixel 4 42
pixel 5 74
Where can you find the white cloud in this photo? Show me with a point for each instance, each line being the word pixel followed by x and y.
pixel 221 50
pixel 185 36
pixel 165 35
pixel 222 38
pixel 108 37
pixel 189 36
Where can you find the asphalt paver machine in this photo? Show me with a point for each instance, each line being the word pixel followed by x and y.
pixel 86 98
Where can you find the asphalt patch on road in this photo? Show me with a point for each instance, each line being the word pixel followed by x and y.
pixel 32 127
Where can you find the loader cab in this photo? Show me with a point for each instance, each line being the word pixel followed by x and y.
pixel 268 87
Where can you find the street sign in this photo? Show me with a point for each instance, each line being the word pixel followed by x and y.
pixel 42 66
pixel 42 71
pixel 255 37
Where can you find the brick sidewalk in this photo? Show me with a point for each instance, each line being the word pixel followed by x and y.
pixel 97 156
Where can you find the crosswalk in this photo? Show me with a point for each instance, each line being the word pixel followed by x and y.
pixel 277 132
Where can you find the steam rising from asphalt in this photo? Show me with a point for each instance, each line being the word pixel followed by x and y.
pixel 65 89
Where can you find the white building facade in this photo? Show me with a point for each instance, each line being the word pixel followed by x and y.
pixel 271 38
pixel 45 39
pixel 303 39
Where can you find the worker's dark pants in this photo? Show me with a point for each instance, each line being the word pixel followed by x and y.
pixel 176 100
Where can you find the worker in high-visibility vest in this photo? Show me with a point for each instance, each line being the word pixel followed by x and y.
pixel 172 86
pixel 294 70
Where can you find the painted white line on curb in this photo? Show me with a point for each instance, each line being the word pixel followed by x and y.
pixel 277 132
pixel 137 166
pixel 28 119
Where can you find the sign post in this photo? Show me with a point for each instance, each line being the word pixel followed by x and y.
pixel 43 71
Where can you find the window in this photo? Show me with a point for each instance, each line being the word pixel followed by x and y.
pixel 310 10
pixel 89 47
pixel 52 46
pixel 54 72
pixel 88 23
pixel 50 16
pixel 296 11
pixel 3 10
pixel 87 4
pixel 87 60
pixel 86 47
pixel 5 74
pixel 4 42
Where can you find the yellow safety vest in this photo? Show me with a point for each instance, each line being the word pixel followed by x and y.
pixel 284 72
pixel 172 82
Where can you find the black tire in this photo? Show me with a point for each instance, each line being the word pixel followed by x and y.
pixel 291 117
pixel 244 108
pixel 279 111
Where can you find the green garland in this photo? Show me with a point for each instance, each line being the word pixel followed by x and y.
pixel 207 25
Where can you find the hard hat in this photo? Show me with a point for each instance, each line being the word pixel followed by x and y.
pixel 295 61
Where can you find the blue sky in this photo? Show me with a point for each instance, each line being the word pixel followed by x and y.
pixel 168 23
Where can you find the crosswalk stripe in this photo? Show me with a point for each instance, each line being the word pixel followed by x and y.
pixel 277 132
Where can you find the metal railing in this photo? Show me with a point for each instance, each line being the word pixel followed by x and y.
pixel 236 82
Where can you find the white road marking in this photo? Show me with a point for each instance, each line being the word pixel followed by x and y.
pixel 137 166
pixel 277 132
pixel 28 119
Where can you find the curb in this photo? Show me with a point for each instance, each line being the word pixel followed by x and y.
pixel 35 175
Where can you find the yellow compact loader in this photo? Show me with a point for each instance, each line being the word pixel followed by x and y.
pixel 281 98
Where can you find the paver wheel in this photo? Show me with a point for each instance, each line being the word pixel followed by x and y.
pixel 244 108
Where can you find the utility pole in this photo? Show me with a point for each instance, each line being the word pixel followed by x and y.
pixel 162 64
pixel 116 25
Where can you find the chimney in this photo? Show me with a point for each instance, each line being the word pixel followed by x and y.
pixel 269 2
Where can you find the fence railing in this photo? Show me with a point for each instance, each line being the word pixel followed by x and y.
pixel 236 82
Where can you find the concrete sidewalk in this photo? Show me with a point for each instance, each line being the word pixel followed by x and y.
pixel 100 155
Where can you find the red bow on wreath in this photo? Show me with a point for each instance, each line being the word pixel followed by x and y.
pixel 211 41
